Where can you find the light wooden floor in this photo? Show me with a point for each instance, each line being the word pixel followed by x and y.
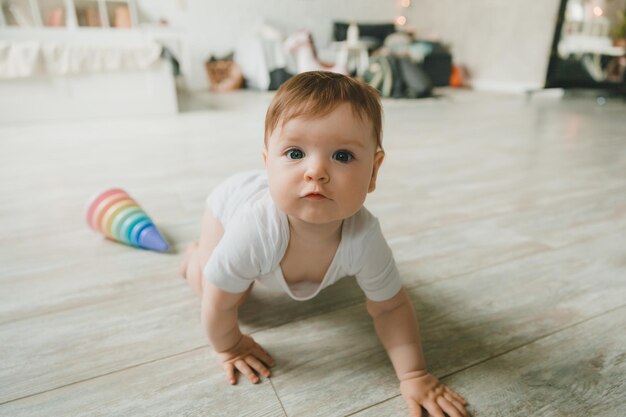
pixel 507 219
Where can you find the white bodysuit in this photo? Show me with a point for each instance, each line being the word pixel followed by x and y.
pixel 256 234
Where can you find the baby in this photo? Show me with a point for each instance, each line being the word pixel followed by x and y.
pixel 300 226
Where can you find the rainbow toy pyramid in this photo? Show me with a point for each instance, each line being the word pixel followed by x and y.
pixel 117 216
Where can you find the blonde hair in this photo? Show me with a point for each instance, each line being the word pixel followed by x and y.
pixel 317 93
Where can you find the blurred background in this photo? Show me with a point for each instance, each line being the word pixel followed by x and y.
pixel 502 197
pixel 118 57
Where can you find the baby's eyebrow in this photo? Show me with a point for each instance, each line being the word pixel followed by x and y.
pixel 292 141
pixel 351 142
pixel 296 140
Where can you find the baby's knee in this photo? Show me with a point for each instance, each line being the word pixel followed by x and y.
pixel 189 266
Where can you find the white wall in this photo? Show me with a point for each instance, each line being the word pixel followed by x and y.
pixel 504 43
pixel 213 26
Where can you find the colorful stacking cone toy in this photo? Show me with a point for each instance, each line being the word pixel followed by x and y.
pixel 117 216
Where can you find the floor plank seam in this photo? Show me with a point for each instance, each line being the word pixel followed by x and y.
pixel 540 207
pixel 371 406
pixel 495 356
pixel 102 375
pixel 426 284
pixel 534 341
pixel 278 397
pixel 497 264
pixel 126 295
pixel 274 389
pixel 349 306
pixel 412 287
pixel 517 258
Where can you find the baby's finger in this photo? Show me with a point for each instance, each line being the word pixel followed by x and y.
pixel 415 410
pixel 243 367
pixel 230 373
pixel 262 354
pixel 433 408
pixel 448 407
pixel 257 366
pixel 455 395
pixel 457 404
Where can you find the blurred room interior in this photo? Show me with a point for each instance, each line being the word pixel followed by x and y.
pixel 100 58
pixel 502 196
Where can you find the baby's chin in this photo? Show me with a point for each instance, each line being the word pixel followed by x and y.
pixel 319 218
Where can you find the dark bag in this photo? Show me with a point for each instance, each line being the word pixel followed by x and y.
pixel 417 83
pixel 397 91
pixel 398 77
pixel 277 77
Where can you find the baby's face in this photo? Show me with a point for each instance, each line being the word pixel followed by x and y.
pixel 320 170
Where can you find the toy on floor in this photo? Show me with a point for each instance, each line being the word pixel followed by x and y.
pixel 117 216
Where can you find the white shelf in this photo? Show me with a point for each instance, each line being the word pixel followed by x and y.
pixel 69 14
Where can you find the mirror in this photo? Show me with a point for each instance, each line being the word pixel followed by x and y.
pixel 589 45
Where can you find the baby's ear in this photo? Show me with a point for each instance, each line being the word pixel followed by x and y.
pixel 265 157
pixel 378 160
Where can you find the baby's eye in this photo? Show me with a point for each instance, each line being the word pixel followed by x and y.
pixel 294 154
pixel 343 156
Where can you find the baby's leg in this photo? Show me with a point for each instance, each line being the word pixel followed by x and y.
pixel 198 253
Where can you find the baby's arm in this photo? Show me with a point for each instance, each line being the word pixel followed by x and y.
pixel 235 350
pixel 398 330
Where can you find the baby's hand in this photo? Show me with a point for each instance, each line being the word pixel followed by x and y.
pixel 247 356
pixel 421 389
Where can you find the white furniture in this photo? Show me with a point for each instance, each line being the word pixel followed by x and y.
pixel 589 36
pixel 353 56
pixel 69 13
pixel 53 67
pixel 352 53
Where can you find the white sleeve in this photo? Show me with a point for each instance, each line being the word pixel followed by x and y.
pixel 235 261
pixel 377 274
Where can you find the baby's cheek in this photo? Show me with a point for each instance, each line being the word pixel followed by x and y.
pixel 279 194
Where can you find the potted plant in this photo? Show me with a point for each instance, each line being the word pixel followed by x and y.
pixel 618 31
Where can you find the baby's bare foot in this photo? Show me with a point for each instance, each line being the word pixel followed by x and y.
pixel 189 253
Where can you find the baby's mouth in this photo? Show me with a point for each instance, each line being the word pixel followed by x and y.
pixel 315 196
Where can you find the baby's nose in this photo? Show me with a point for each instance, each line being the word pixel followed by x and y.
pixel 316 171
